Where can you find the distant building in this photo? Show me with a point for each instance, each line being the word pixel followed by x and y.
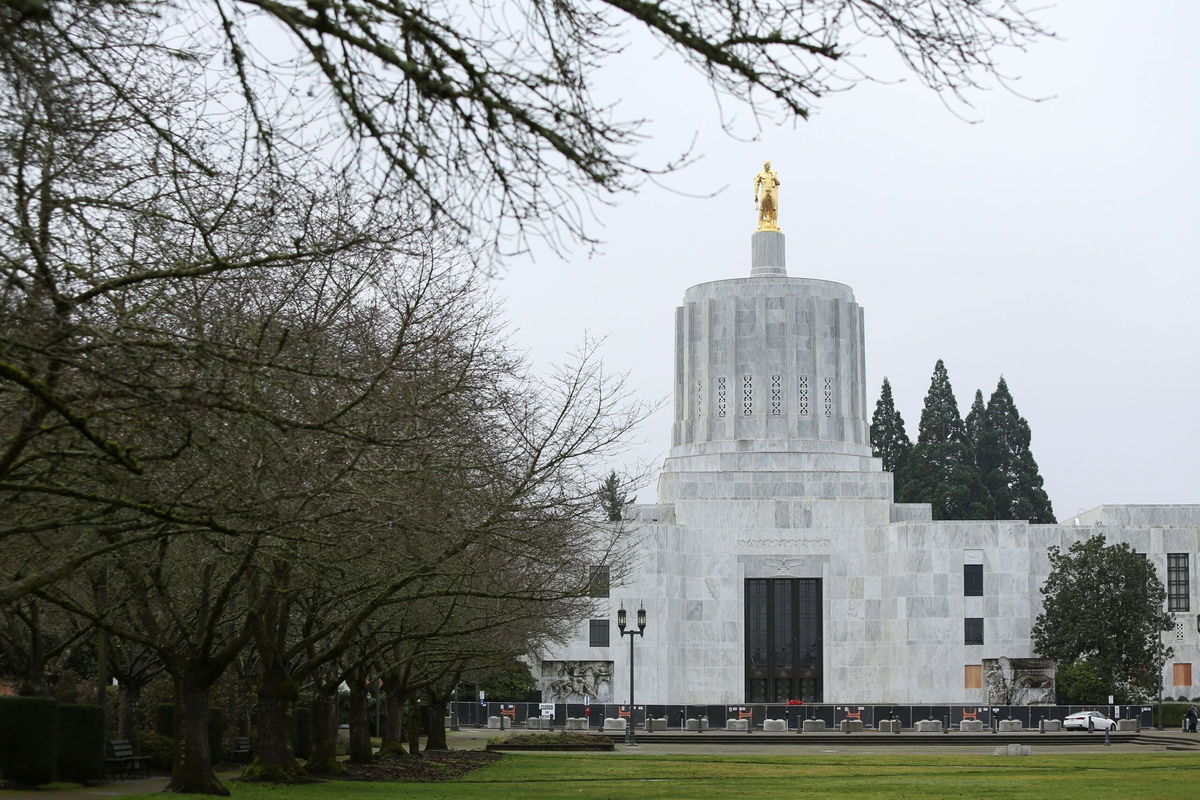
pixel 776 566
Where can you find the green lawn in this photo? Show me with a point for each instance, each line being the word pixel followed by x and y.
pixel 553 776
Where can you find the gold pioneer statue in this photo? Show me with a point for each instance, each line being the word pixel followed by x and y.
pixel 766 198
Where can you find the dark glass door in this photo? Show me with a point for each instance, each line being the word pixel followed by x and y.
pixel 783 640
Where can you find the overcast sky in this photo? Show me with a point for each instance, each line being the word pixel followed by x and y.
pixel 1053 242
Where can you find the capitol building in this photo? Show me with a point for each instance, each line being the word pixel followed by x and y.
pixel 776 564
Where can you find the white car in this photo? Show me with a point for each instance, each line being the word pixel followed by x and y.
pixel 1089 720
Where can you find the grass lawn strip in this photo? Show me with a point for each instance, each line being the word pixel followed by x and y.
pixel 556 776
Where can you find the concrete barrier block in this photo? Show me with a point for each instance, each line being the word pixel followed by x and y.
pixel 850 726
pixel 742 725
pixel 813 726
pixel 971 726
pixel 1052 725
pixel 611 724
pixel 539 723
pixel 775 726
pixel 577 723
pixel 1127 724
pixel 1013 750
pixel 889 725
pixel 656 724
pixel 1010 726
pixel 501 723
pixel 928 726
pixel 697 724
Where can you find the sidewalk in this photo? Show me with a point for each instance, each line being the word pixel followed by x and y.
pixel 139 786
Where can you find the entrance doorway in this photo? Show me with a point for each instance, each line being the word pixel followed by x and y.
pixel 783 640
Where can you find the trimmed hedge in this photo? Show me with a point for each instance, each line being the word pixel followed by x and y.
pixel 161 749
pixel 28 739
pixel 80 742
pixel 1173 714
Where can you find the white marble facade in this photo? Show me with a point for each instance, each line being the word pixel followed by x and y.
pixel 771 475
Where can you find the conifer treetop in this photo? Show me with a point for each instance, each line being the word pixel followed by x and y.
pixel 889 440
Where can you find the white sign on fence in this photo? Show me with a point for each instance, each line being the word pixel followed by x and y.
pixel 547 709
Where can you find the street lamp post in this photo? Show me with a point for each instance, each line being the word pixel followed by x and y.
pixel 641 631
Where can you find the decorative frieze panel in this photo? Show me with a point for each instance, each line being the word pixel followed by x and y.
pixel 829 397
pixel 577 681
pixel 802 396
pixel 700 397
pixel 721 396
pixel 747 395
pixel 776 395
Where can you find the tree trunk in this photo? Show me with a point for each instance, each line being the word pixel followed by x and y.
pixel 412 724
pixel 323 758
pixel 437 726
pixel 360 732
pixel 191 772
pixel 130 695
pixel 393 724
pixel 274 748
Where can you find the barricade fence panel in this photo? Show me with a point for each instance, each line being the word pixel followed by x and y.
pixel 477 713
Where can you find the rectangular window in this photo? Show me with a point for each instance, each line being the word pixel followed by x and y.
pixel 1182 674
pixel 973 630
pixel 972 580
pixel 1178 585
pixel 598 633
pixel 973 676
pixel 598 581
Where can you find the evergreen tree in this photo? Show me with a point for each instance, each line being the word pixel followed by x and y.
pixel 941 468
pixel 889 440
pixel 611 498
pixel 1006 464
pixel 974 422
pixel 1103 614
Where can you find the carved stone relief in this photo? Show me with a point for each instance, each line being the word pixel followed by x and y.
pixel 577 681
pixel 1019 681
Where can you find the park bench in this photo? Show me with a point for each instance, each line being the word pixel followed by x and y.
pixel 121 761
pixel 239 750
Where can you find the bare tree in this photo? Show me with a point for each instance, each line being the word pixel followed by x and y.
pixel 483 115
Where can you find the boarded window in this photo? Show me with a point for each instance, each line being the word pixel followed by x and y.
pixel 598 633
pixel 973 676
pixel 1182 674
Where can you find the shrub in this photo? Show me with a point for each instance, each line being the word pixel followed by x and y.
pixel 303 732
pixel 164 720
pixel 28 739
pixel 80 742
pixel 161 749
pixel 566 737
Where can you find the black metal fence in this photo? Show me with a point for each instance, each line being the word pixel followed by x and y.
pixel 677 715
